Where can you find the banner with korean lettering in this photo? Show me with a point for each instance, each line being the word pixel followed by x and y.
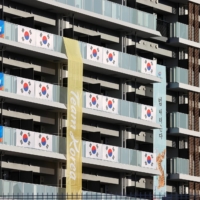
pixel 93 150
pixel 26 35
pixel 110 105
pixel 94 53
pixel 148 66
pixel 110 57
pixel 44 40
pixel 25 87
pixel 149 160
pixel 159 135
pixel 148 113
pixel 110 153
pixel 94 101
pixel 25 138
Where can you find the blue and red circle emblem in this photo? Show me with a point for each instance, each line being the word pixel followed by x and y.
pixel 94 52
pixel 110 104
pixel 149 113
pixel 43 141
pixel 110 57
pixel 94 150
pixel 149 159
pixel 26 35
pixel 94 100
pixel 44 40
pixel 44 90
pixel 25 86
pixel 149 66
pixel 25 137
pixel 110 152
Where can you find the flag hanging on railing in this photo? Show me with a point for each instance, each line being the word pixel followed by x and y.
pixel 43 141
pixel 26 35
pixel 93 150
pixel 94 52
pixel 110 105
pixel 149 160
pixel 110 57
pixel 110 153
pixel 148 66
pixel 25 138
pixel 148 113
pixel 25 87
pixel 44 40
pixel 43 90
pixel 94 101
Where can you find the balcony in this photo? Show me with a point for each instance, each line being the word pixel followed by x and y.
pixel 128 159
pixel 178 125
pixel 179 170
pixel 179 80
pixel 125 69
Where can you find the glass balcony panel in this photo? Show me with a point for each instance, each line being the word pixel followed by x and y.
pixel 124 156
pixel 89 5
pixel 69 2
pixel 125 13
pixel 116 11
pixel 18 188
pixel 28 189
pixel 133 157
pixel 107 8
pixel 98 6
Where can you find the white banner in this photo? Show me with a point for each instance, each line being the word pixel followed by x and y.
pixel 43 141
pixel 110 153
pixel 110 57
pixel 43 90
pixel 149 160
pixel 44 40
pixel 110 105
pixel 148 113
pixel 94 101
pixel 26 35
pixel 93 150
pixel 25 138
pixel 148 66
pixel 94 52
pixel 25 87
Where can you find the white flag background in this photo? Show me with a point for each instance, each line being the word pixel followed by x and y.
pixel 44 40
pixel 93 150
pixel 43 90
pixel 43 141
pixel 110 105
pixel 25 87
pixel 110 153
pixel 94 52
pixel 26 35
pixel 25 138
pixel 110 57
pixel 149 160
pixel 94 101
pixel 148 66
pixel 148 113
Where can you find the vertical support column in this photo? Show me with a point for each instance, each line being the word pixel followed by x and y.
pixel 190 25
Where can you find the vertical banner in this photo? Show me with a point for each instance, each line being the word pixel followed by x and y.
pixel 110 57
pixel 2 29
pixel 159 135
pixel 148 66
pixel 43 141
pixel 26 35
pixel 25 87
pixel 149 160
pixel 110 153
pixel 43 90
pixel 148 113
pixel 94 53
pixel 1 81
pixel 1 134
pixel 74 117
pixel 93 101
pixel 44 40
pixel 93 150
pixel 25 138
pixel 110 105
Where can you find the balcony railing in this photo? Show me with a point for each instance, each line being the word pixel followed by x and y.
pixel 125 156
pixel 114 11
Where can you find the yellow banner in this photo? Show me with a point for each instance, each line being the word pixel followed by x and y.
pixel 74 117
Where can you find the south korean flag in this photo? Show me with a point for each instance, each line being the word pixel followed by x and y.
pixel 110 57
pixel 25 87
pixel 25 138
pixel 43 141
pixel 110 105
pixel 93 150
pixel 93 101
pixel 43 90
pixel 110 153
pixel 94 53
pixel 149 113
pixel 149 160
pixel 148 66
pixel 44 40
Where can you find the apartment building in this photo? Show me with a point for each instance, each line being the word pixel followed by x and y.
pixel 140 96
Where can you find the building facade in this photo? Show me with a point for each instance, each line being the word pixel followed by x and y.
pixel 140 124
